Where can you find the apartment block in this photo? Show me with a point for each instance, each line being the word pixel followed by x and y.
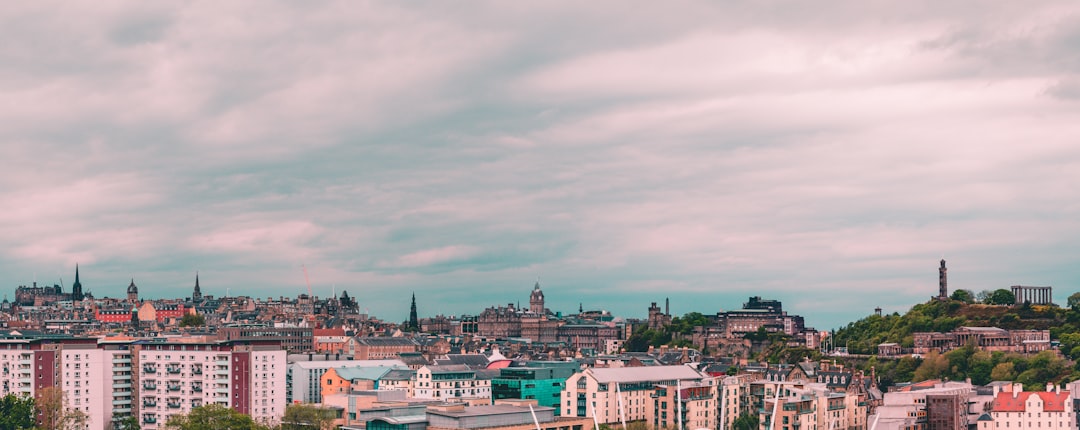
pixel 175 377
pixel 603 392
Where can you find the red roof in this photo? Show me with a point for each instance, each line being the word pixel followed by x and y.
pixel 328 332
pixel 499 364
pixel 1052 402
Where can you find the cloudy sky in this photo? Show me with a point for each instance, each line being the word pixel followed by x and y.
pixel 826 154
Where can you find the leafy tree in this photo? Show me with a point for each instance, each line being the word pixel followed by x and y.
pixel 192 320
pixel 746 421
pixel 54 415
pixel 307 417
pixel 965 296
pixel 130 422
pixel 1003 372
pixel 1074 301
pixel 16 412
pixel 1001 296
pixel 934 366
pixel 983 296
pixel 213 417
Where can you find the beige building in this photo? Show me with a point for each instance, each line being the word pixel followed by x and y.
pixel 604 392
pixel 1018 409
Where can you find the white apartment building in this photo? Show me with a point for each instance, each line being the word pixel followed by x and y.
pixel 1018 409
pixel 174 377
pixel 97 379
pixel 454 381
pixel 606 390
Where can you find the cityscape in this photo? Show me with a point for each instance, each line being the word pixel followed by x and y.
pixel 134 362
pixel 603 215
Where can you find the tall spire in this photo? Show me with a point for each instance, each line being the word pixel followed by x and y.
pixel 196 296
pixel 76 288
pixel 414 324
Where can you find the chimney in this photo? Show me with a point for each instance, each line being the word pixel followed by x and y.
pixel 1049 387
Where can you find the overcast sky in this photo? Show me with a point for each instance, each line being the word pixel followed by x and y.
pixel 825 154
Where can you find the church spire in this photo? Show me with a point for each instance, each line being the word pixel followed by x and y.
pixel 414 324
pixel 76 288
pixel 196 296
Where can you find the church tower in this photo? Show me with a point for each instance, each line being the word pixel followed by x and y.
pixel 76 288
pixel 943 281
pixel 536 300
pixel 133 292
pixel 196 296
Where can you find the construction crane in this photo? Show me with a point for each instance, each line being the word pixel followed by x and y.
pixel 309 293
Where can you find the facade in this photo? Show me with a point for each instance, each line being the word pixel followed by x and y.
pixel 453 382
pixel 543 384
pixel 293 339
pixel 689 406
pixel 984 338
pixel 173 378
pixel 1016 409
pixel 600 391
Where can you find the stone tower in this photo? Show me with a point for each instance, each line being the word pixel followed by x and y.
pixel 76 288
pixel 536 300
pixel 943 281
pixel 132 292
pixel 196 295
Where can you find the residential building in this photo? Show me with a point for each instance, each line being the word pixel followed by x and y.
pixel 450 383
pixel 601 391
pixel 1016 409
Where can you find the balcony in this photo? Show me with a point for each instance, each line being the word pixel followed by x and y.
pixel 121 360
pixel 149 386
pixel 149 419
pixel 173 404
pixel 173 369
pixel 149 403
pixel 196 370
pixel 149 369
pixel 197 388
pixel 174 387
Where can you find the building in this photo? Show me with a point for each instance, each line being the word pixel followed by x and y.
pixel 293 339
pixel 600 391
pixel 688 406
pixel 504 416
pixel 174 377
pixel 303 376
pixel 543 384
pixel 1014 408
pixel 379 348
pixel 1033 295
pixel 910 407
pixel 450 383
pixel 984 338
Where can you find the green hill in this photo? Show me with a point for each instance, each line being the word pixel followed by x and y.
pixel 863 336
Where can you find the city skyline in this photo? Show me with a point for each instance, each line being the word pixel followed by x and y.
pixel 823 155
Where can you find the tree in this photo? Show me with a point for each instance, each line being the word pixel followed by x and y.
pixel 1074 301
pixel 129 422
pixel 965 296
pixel 16 412
pixel 192 320
pixel 1001 296
pixel 307 417
pixel 1003 372
pixel 54 413
pixel 213 417
pixel 983 296
pixel 746 421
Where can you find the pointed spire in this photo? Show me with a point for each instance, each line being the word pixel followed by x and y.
pixel 196 280
pixel 76 273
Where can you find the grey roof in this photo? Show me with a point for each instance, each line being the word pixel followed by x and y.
pixel 399 375
pixel 407 419
pixel 473 411
pixel 450 368
pixel 386 341
pixel 644 374
pixel 475 361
